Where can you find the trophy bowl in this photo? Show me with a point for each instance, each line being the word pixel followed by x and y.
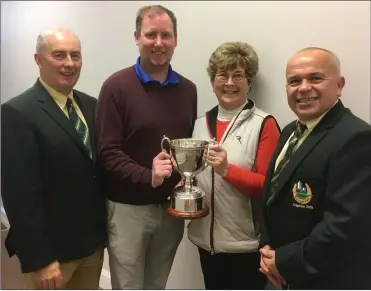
pixel 188 201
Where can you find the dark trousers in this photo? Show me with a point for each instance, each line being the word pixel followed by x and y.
pixel 232 271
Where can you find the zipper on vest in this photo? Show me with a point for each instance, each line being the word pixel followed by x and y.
pixel 212 213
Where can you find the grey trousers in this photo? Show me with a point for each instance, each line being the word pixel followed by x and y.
pixel 143 240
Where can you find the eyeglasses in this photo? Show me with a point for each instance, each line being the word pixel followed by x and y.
pixel 224 78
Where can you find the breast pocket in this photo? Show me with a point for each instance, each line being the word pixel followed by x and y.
pixel 305 205
pixel 308 197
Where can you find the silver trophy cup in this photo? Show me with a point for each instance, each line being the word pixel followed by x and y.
pixel 188 201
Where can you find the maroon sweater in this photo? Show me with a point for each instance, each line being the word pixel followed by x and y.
pixel 131 120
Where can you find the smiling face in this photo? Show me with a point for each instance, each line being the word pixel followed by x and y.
pixel 313 84
pixel 59 60
pixel 156 40
pixel 232 69
pixel 231 88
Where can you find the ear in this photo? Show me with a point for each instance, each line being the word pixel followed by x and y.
pixel 340 85
pixel 136 37
pixel 38 60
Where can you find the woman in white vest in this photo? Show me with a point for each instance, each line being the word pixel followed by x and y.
pixel 228 238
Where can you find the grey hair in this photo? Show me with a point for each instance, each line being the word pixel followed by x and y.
pixel 41 39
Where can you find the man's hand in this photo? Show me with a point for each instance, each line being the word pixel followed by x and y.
pixel 217 158
pixel 50 277
pixel 162 167
pixel 268 265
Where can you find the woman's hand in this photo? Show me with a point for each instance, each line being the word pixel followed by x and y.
pixel 217 158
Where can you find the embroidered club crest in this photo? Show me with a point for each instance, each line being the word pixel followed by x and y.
pixel 302 193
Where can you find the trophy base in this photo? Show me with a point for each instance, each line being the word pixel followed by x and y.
pixel 188 215
pixel 188 205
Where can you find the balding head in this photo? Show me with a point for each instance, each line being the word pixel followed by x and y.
pixel 47 36
pixel 314 83
pixel 326 56
pixel 58 56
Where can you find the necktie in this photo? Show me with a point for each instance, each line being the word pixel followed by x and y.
pixel 79 126
pixel 298 133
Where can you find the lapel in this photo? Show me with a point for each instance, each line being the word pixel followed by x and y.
pixel 52 109
pixel 318 133
pixel 281 143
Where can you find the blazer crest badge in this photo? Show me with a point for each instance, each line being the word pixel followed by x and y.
pixel 302 193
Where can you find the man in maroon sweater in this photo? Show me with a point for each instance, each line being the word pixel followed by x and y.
pixel 136 107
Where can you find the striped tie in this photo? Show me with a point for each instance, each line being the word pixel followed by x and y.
pixel 298 133
pixel 79 126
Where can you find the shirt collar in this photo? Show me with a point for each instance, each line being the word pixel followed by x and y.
pixel 172 77
pixel 59 98
pixel 311 124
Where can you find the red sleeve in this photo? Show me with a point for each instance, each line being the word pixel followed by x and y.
pixel 253 182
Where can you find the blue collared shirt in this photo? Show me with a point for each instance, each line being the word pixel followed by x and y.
pixel 172 77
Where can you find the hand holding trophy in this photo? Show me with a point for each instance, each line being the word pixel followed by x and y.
pixel 188 201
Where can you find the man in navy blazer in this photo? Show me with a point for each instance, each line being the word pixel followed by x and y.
pixel 317 195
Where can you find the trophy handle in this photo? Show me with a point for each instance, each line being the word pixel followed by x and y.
pixel 207 156
pixel 165 138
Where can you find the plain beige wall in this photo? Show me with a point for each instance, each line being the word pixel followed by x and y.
pixel 275 29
